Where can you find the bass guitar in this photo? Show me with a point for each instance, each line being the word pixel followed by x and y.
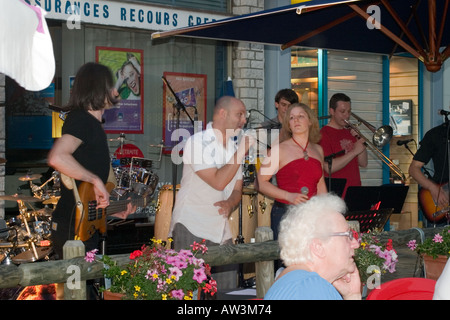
pixel 89 219
pixel 432 212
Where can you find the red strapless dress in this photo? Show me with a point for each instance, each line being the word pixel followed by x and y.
pixel 300 173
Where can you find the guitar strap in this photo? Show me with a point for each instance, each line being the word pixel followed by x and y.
pixel 70 184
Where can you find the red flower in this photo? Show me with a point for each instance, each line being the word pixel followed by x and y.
pixel 135 254
pixel 389 245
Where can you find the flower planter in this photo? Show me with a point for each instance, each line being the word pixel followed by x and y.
pixel 108 295
pixel 434 267
pixel 158 273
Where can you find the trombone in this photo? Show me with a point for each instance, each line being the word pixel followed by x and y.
pixel 381 137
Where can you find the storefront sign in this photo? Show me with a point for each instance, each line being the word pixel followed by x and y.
pixel 122 14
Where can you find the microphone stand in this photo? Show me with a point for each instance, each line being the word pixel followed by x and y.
pixel 407 147
pixel 179 106
pixel 273 124
pixel 329 160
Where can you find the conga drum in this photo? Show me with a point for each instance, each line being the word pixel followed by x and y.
pixel 264 209
pixel 163 214
pixel 255 212
pixel 249 220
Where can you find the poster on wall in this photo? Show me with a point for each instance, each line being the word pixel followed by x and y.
pixel 400 115
pixel 28 118
pixel 190 91
pixel 127 66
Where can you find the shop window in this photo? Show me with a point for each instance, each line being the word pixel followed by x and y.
pixel 304 75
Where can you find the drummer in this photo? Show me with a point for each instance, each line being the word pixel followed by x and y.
pixel 283 99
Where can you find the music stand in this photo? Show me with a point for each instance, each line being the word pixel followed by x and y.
pixel 336 185
pixel 359 200
pixel 370 219
pixel 363 198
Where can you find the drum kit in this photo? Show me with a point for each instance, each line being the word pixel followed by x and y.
pixel 26 237
pixel 134 175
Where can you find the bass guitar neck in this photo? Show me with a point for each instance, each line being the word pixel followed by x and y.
pixel 89 219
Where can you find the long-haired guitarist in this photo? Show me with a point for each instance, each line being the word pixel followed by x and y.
pixel 433 196
pixel 82 153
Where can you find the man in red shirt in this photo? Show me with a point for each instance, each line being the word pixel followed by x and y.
pixel 338 140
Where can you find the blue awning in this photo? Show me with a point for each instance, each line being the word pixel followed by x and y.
pixel 377 26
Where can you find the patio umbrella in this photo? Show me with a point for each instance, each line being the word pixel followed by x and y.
pixel 386 27
pixel 26 52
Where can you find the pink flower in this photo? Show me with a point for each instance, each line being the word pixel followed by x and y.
pixel 412 245
pixel 152 275
pixel 175 272
pixel 199 275
pixel 178 294
pixel 438 238
pixel 90 255
pixel 177 261
pixel 185 253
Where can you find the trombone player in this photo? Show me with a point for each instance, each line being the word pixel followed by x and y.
pixel 341 145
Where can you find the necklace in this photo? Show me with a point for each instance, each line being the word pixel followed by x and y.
pixel 305 152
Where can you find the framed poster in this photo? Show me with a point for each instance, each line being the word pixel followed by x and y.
pixel 190 90
pixel 127 67
pixel 400 117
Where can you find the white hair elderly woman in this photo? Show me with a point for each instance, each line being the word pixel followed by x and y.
pixel 317 247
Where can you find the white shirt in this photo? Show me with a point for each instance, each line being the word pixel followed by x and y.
pixel 194 205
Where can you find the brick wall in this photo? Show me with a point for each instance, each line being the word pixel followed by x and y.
pixel 248 62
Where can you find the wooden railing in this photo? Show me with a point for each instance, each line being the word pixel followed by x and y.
pixel 263 252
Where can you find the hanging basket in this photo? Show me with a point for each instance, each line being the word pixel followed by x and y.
pixel 434 267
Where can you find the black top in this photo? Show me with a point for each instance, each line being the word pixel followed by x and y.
pixel 92 154
pixel 434 147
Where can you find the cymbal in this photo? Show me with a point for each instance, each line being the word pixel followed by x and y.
pixel 120 139
pixel 45 211
pixel 20 197
pixel 30 177
pixel 52 200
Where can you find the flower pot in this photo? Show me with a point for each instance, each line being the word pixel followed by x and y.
pixel 108 295
pixel 434 267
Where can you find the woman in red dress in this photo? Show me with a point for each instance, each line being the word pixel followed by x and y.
pixel 297 163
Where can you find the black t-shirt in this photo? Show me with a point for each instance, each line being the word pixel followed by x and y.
pixel 92 154
pixel 434 147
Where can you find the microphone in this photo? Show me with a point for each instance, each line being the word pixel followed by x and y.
pixel 197 124
pixel 195 114
pixel 402 142
pixel 249 113
pixel 304 191
pixel 442 112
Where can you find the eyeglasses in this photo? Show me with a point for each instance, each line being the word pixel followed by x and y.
pixel 348 234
